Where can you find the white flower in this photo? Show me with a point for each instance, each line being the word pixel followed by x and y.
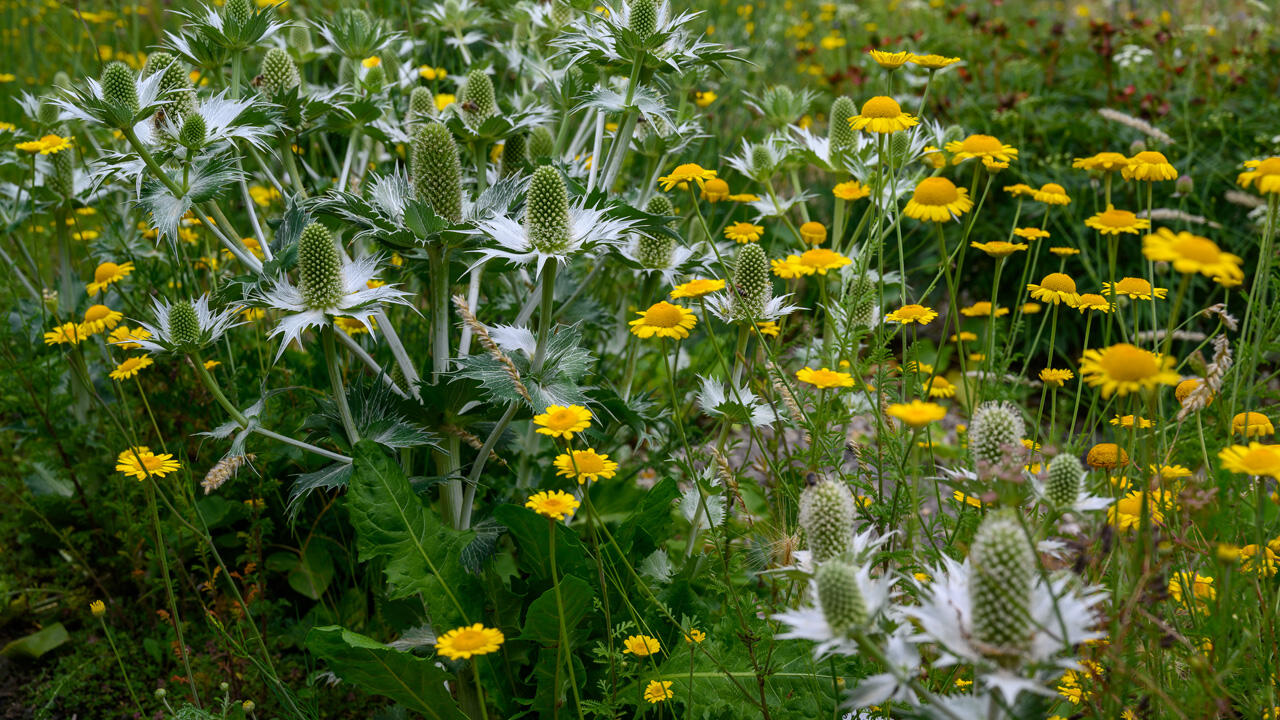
pixel 809 623
pixel 724 306
pixel 211 325
pixel 589 228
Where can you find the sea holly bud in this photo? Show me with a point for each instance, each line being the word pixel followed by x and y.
pixel 862 305
pixel 62 178
pixel 561 13
pixel 300 40
pixel 437 171
pixel 47 113
pixel 840 597
pixel 120 92
pixel 319 268
pixel 1003 568
pixel 546 210
pixel 375 77
pixel 643 20
pixel 175 86
pixel 1065 477
pixel 477 99
pixel 751 278
pixel 193 133
pixel 899 146
pixel 237 14
pixel 761 161
pixel 839 133
pixel 279 73
pixel 184 326
pixel 826 516
pixel 541 144
pixel 513 152
pixel 994 426
pixel 422 104
pixel 655 251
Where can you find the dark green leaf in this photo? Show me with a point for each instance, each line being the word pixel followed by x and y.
pixel 414 682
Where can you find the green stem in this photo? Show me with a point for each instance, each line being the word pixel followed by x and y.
pixel 333 363
pixel 545 314
pixel 564 633
pixel 168 586
pixel 123 671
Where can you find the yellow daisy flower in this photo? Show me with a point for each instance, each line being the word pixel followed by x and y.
pixel 1126 513
pixel 890 60
pixel 715 190
pixel 98 318
pixel 813 232
pixel 1190 253
pixel 684 174
pixel 789 268
pixel 937 199
pixel 658 691
pixel 641 645
pixel 123 336
pixel 555 504
pixel 586 465
pixel 696 288
pixel 1123 369
pixel 1030 233
pixel 882 114
pixel 1192 585
pixel 1136 288
pixel 665 321
pixel 908 314
pixel 1052 194
pixel 1055 377
pixel 851 190
pixel 47 145
pixel 139 462
pixel 107 273
pixel 1106 455
pixel 1252 424
pixel 998 248
pixel 1114 222
pixel 916 413
pixel 1128 421
pixel 65 334
pixel 1102 162
pixel 743 232
pixel 940 387
pixel 469 641
pixel 1150 166
pixel 1094 302
pixel 1265 173
pixel 1031 308
pixel 1185 388
pixel 131 367
pixel 769 328
pixel 561 421
pixel 820 260
pixel 983 309
pixel 1064 251
pixel 932 62
pixel 1019 189
pixel 983 147
pixel 824 378
pixel 1055 288
pixel 1254 459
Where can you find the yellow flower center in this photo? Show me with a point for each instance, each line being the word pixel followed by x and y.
pixel 981 144
pixel 1092 300
pixel 819 257
pixel 1194 247
pixel 469 640
pixel 562 418
pixel 96 313
pixel 663 315
pixel 936 191
pixel 105 272
pixel 1150 157
pixel 588 462
pixel 1058 282
pixel 881 107
pixel 1117 218
pixel 1128 363
pixel 1133 286
pixel 1053 188
pixel 911 312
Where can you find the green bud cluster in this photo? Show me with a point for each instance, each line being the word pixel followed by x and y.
pixel 514 153
pixel 994 426
pixel 119 90
pixel 300 40
pixel 1004 568
pixel 751 277
pixel 1066 475
pixel 841 136
pixel 477 98
pixel 237 14
pixel 840 597
pixel 319 268
pixel 561 13
pixel 62 178
pixel 437 170
pixel 194 132
pixel 47 113
pixel 826 516
pixel 541 144
pixel 422 105
pixel 643 19
pixel 279 73
pixel 862 305
pixel 184 326
pixel 546 210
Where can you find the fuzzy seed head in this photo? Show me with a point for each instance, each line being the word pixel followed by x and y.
pixel 62 179
pixel 118 88
pixel 541 144
pixel 840 597
pixel 193 132
pixel 826 516
pixel 279 73
pixel 838 130
pixel 319 268
pixel 751 276
pixel 862 293
pixel 513 153
pixel 237 13
pixel 655 252
pixel 1065 477
pixel 644 18
pixel 899 146
pixel 300 40
pixel 546 210
pixel 995 425
pixel 422 104
pixel 477 99
pixel 184 326
pixel 761 160
pixel 660 205
pixel 48 113
pixel 1004 567
pixel 437 171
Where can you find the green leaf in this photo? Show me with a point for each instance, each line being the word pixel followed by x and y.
pixel 414 682
pixel 421 554
pixel 313 573
pixel 652 517
pixel 44 481
pixel 37 643
pixel 542 623
pixel 532 541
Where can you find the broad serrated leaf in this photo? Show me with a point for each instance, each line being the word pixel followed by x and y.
pixel 414 682
pixel 327 478
pixel 542 622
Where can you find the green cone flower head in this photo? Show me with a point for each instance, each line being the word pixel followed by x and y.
pixel 994 426
pixel 237 14
pixel 319 268
pixel 48 113
pixel 422 104
pixel 761 160
pixel 840 135
pixel 1066 475
pixel 300 40
pixel 62 179
pixel 193 133
pixel 826 516
pixel 899 147
pixel 643 19
pixel 437 171
pixel 477 99
pixel 1003 568
pixel 561 13
pixel 119 90
pixel 840 597
pixel 279 73
pixel 513 152
pixel 541 144
pixel 546 210
pixel 374 78
pixel 751 277
pixel 862 295
pixel 184 326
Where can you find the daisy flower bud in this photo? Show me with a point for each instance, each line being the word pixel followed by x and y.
pixel 279 73
pixel 751 276
pixel 546 210
pixel 840 135
pixel 1065 476
pixel 643 20
pixel 1004 568
pixel 184 326
pixel 118 88
pixel 476 99
pixel 826 515
pixel 840 597
pixel 437 171
pixel 541 144
pixel 994 425
pixel 319 268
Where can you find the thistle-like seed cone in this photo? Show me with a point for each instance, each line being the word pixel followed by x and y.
pixel 655 252
pixel 751 277
pixel 1066 475
pixel 358 21
pixel 176 87
pixel 118 88
pixel 541 144
pixel 62 178
pixel 899 146
pixel 826 516
pixel 319 268
pixel 48 113
pixel 477 99
pixel 237 13
pixel 644 18
pixel 660 205
pixel 862 306
pixel 1004 568
pixel 279 73
pixel 761 160
pixel 995 425
pixel 422 105
pixel 838 131
pixel 840 597
pixel 194 131
pixel 514 152
pixel 156 62
pixel 546 210
pixel 437 171
pixel 375 78
pixel 184 327
pixel 561 13
pixel 62 80
pixel 300 40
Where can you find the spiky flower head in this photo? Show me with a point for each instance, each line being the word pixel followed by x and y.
pixel 762 161
pixel 899 146
pixel 279 73
pixel 1004 568
pixel 751 277
pixel 1065 477
pixel 546 210
pixel 561 13
pixel 119 90
pixel 193 132
pixel 862 306
pixel 643 19
pixel 840 597
pixel 375 77
pixel 300 40
pixel 826 516
pixel 477 99
pixel 660 205
pixel 541 144
pixel 437 171
pixel 513 152
pixel 62 178
pixel 422 104
pixel 175 83
pixel 839 133
pixel 995 425
pixel 184 326
pixel 48 113
pixel 237 13
pixel 319 267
